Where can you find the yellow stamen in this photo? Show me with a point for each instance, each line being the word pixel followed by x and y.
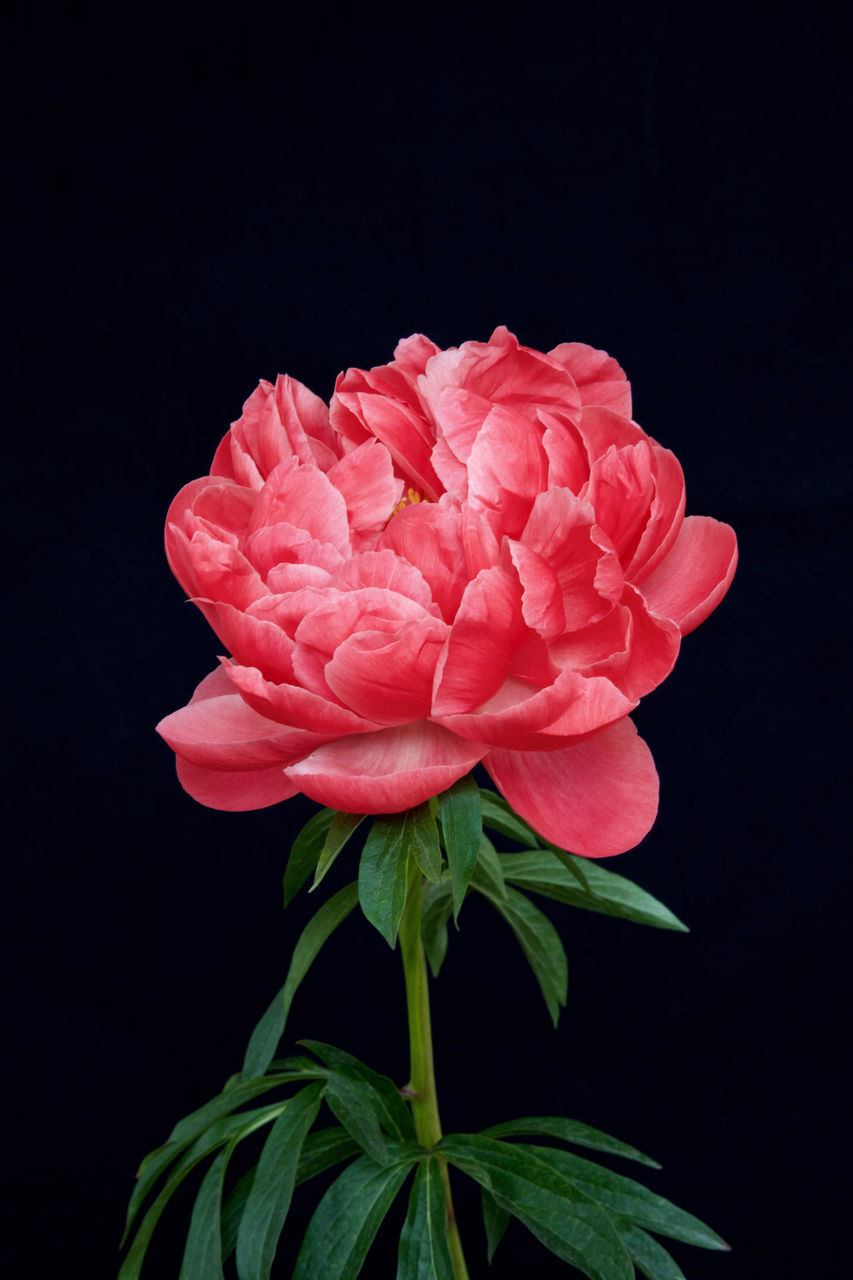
pixel 409 497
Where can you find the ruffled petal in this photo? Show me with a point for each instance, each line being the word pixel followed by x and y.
pixel 599 378
pixel 306 498
pixel 291 705
pixel 429 537
pixel 387 678
pixel 693 578
pixel 527 719
pixel 385 772
pixel 596 799
pixel 365 477
pixel 488 631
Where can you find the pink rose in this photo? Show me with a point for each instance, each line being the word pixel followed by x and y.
pixel 471 555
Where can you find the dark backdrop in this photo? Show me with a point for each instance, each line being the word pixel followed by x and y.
pixel 205 200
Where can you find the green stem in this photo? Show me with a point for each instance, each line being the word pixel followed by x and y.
pixel 421 1089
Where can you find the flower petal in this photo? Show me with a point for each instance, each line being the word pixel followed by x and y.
pixel 235 792
pixel 365 477
pixel 596 799
pixel 600 379
pixel 488 631
pixel 695 575
pixel 385 772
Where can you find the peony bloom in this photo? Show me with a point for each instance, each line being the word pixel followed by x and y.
pixel 472 555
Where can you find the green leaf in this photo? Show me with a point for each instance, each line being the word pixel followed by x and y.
pixel 424 1253
pixel 349 1215
pixel 391 1111
pixel 608 893
pixel 629 1199
pixel 462 828
pixel 437 906
pixel 272 1188
pixel 323 1149
pixel 383 875
pixel 499 816
pixel 305 852
pixel 495 1221
pixel 232 1211
pixel 550 1206
pixel 203 1249
pixel 343 826
pixel 582 1135
pixel 540 943
pixel 228 1129
pixel 651 1258
pixel 267 1034
pixel 351 1102
pixel 190 1128
pixel 488 874
pixel 422 839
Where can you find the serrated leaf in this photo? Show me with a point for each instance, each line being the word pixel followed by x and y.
pixel 541 944
pixel 227 1129
pixel 265 1038
pixel 488 874
pixel 383 876
pixel 351 1102
pixel 565 1219
pixel 608 893
pixel 499 816
pixel 629 1199
pixel 422 838
pixel 343 826
pixel 651 1258
pixel 203 1250
pixel 462 829
pixel 582 1135
pixel 305 853
pixel 495 1222
pixel 272 1188
pixel 346 1220
pixel 424 1253
pixel 391 1111
pixel 323 1149
pixel 437 907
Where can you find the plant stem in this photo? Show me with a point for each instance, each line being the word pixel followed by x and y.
pixel 421 1090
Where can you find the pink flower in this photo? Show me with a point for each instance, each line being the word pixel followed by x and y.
pixel 471 555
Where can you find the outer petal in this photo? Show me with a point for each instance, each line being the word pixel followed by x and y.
pixel 597 798
pixel 222 732
pixel 600 380
pixel 291 705
pixel 237 792
pixel 385 772
pixel 693 578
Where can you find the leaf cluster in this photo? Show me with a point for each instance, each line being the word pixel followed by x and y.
pixel 596 1220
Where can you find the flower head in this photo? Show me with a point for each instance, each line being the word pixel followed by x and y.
pixel 469 555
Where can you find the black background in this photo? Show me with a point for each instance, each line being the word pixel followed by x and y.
pixel 200 201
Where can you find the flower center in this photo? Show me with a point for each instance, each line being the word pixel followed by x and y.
pixel 408 499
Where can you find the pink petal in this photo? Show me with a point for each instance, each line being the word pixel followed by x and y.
pixel 386 570
pixel 600 380
pixel 235 792
pixel 596 799
pixel 620 490
pixel 666 514
pixel 695 575
pixel 401 428
pixel 600 428
pixel 561 531
pixel 488 631
pixel 385 772
pixel 305 422
pixel 429 537
pixel 291 705
pixel 568 464
pixel 507 467
pixel 306 498
pixel 387 678
pixel 365 477
pixel 222 732
pixel 525 719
